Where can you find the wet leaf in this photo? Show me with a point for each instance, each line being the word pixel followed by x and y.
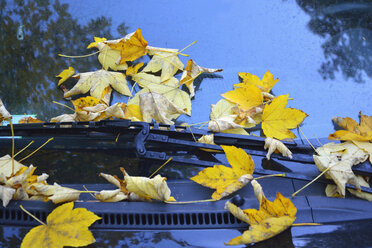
pixel 96 41
pixel 65 74
pixel 154 188
pixel 131 47
pixel 156 106
pixel 275 145
pixel 4 114
pixel 266 84
pixel 165 61
pixel 247 97
pixel 97 81
pixel 65 227
pixel 222 116
pixel 191 72
pixel 169 89
pixel 108 58
pixel 29 119
pixel 340 158
pixel 271 219
pixel 227 180
pixel 353 131
pixel 276 119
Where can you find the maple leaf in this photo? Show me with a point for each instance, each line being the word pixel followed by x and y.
pixel 6 167
pixel 224 179
pixel 96 41
pixel 192 71
pixel 276 119
pixel 131 47
pixel 4 114
pixel 65 74
pixel 275 145
pixel 97 81
pixel 82 102
pixel 271 219
pixel 353 131
pixel 65 227
pixel 339 159
pixel 156 106
pixel 266 84
pixel 133 69
pixel 222 117
pixel 29 119
pixel 167 61
pixel 108 58
pixel 169 89
pixel 247 97
pixel 365 146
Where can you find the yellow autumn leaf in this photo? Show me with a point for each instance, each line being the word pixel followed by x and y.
pixel 271 219
pixel 169 89
pixel 248 118
pixel 97 81
pixel 65 227
pixel 247 97
pixel 65 74
pixel 82 102
pixel 6 167
pixel 166 61
pixel 96 41
pixel 365 146
pixel 157 107
pixel 133 69
pixel 353 131
pixel 266 84
pixel 191 72
pixel 276 119
pixel 6 194
pixel 131 47
pixel 4 114
pixel 132 112
pixel 29 119
pixel 222 117
pixel 149 188
pixel 275 145
pixel 108 58
pixel 227 180
pixel 339 159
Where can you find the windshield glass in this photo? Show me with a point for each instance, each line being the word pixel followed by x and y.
pixel 319 50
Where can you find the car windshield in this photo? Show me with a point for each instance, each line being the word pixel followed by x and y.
pixel 321 52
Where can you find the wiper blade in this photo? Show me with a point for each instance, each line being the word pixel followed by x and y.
pixel 151 140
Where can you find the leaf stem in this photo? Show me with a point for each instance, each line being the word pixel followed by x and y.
pixel 24 148
pixel 316 178
pixel 33 216
pixel 158 49
pixel 307 139
pixel 79 56
pixel 37 149
pixel 161 167
pixel 273 175
pixel 187 202
pixel 12 130
pixel 63 105
pixel 307 224
pixel 187 46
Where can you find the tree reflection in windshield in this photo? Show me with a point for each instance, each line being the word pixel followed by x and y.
pixel 346 27
pixel 33 34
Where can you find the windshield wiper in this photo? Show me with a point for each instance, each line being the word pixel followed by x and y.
pixel 153 141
